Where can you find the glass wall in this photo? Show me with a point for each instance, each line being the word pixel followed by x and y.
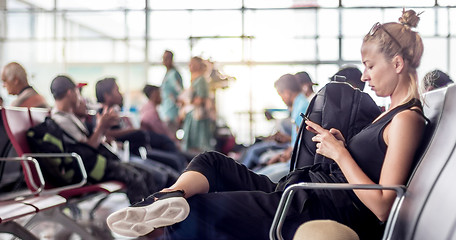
pixel 253 41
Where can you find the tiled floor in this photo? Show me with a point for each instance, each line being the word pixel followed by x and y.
pixel 54 231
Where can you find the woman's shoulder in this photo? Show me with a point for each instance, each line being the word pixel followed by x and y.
pixel 411 111
pixel 409 118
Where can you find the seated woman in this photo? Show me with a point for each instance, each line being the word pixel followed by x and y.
pixel 217 198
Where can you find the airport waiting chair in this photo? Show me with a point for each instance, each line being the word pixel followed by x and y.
pixel 16 122
pixel 17 203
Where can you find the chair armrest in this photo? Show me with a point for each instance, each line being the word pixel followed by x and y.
pixel 72 186
pixel 29 178
pixel 276 228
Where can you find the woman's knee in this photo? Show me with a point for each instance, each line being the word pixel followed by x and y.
pixel 209 163
pixel 324 229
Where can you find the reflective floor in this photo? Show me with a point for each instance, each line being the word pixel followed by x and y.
pixel 54 231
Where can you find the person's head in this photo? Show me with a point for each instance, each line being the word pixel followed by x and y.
pixel 436 79
pixel 152 93
pixel 306 82
pixel 197 65
pixel 288 88
pixel 14 78
pixel 107 92
pixel 168 59
pixel 352 76
pixel 391 53
pixel 63 89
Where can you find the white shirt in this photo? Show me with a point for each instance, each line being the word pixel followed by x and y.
pixel 72 125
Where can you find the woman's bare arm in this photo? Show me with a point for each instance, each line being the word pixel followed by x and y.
pixel 402 136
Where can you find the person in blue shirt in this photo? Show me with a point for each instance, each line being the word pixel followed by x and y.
pixel 170 88
pixel 279 165
pixel 290 90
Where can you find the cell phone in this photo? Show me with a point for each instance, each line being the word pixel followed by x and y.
pixel 305 117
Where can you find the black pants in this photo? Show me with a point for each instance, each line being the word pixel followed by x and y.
pixel 142 138
pixel 159 147
pixel 240 204
pixel 139 182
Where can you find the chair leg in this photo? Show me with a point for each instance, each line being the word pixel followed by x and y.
pixel 97 205
pixel 17 230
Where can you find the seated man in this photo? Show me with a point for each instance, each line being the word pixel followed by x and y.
pixel 163 174
pixel 295 90
pixel 289 90
pixel 150 119
pixel 140 183
pixel 159 147
pixel 15 81
pixel 278 166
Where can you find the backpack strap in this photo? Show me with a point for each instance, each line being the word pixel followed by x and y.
pixel 300 134
pixel 299 137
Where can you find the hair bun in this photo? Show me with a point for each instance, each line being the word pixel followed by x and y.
pixel 409 18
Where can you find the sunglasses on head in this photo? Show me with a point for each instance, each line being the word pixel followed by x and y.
pixel 378 26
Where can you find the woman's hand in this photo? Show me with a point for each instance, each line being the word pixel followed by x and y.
pixel 337 134
pixel 330 143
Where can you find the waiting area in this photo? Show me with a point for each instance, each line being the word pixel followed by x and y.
pixel 230 120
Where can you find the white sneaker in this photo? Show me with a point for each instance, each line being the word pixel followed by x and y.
pixel 158 210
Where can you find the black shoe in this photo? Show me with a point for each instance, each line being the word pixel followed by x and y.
pixel 159 196
pixel 158 210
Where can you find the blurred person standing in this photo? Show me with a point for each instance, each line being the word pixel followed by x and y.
pixel 15 81
pixel 170 89
pixel 197 124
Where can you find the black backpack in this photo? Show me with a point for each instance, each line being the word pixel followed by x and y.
pixel 337 105
pixel 48 137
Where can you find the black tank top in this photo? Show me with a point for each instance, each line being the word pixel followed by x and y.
pixel 368 147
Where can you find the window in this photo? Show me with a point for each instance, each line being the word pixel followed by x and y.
pixel 255 41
